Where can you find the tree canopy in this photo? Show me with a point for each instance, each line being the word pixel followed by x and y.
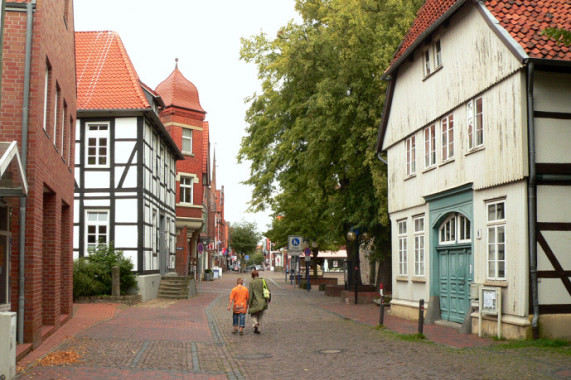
pixel 311 131
pixel 244 237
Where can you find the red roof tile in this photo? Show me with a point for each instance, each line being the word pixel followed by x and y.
pixel 106 78
pixel 533 17
pixel 178 91
pixel 523 19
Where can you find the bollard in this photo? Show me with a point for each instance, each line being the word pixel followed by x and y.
pixel 307 274
pixel 115 281
pixel 420 315
pixel 382 306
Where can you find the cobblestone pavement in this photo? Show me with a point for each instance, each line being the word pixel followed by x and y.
pixel 305 335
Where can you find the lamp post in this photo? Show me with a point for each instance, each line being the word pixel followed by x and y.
pixel 353 236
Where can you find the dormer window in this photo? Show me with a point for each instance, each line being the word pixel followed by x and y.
pixel 432 58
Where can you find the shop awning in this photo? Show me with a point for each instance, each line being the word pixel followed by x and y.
pixel 12 177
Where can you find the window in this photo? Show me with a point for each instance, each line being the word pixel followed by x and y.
pixel 186 185
pixel 56 113
pixel 187 140
pixel 410 156
pixel 456 229
pixel 47 94
pixel 427 66
pixel 97 228
pixel 475 112
pixel 64 132
pixel 437 54
pixel 430 146
pixel 403 262
pixel 69 140
pixel 419 246
pixel 97 145
pixel 496 240
pixel 447 125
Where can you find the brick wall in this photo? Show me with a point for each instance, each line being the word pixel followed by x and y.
pixel 49 171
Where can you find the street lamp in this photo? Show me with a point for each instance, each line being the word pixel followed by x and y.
pixel 353 236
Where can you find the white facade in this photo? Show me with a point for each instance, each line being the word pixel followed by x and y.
pixel 125 189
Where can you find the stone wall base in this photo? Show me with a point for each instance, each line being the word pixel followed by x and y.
pixel 149 286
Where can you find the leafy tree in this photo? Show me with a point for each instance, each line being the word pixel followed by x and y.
pixel 561 36
pixel 244 238
pixel 256 259
pixel 312 130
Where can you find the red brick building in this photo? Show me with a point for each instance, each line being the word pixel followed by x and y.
pixel 183 117
pixel 37 111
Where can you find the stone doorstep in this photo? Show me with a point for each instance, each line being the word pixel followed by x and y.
pixel 449 324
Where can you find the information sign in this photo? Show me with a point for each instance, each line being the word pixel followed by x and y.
pixel 490 303
pixel 295 245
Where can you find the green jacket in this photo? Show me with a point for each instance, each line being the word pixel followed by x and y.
pixel 257 301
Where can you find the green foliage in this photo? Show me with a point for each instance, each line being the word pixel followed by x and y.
pixel 312 130
pixel 255 259
pixel 561 345
pixel 561 36
pixel 92 274
pixel 244 237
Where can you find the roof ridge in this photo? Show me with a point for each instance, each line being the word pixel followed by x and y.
pixel 98 65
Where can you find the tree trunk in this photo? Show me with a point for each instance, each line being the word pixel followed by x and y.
pixel 314 253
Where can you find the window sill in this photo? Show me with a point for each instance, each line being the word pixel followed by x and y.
pixel 401 279
pixel 498 283
pixel 448 161
pixel 187 153
pixel 430 168
pixel 437 69
pixel 419 279
pixel 410 176
pixel 475 150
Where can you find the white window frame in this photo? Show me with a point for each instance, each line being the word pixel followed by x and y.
pixel 410 147
pixel 447 231
pixel 97 223
pixel 403 249
pixel 186 187
pixel 495 225
pixel 426 64
pixel 437 54
pixel 430 146
pixel 188 140
pixel 419 246
pixel 56 110
pixel 46 96
pixel 97 134
pixel 475 123
pixel 464 234
pixel 447 133
pixel 63 120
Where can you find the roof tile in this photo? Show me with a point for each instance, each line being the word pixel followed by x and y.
pixel 178 91
pixel 106 77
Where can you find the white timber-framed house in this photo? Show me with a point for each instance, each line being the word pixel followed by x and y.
pixel 125 163
pixel 476 129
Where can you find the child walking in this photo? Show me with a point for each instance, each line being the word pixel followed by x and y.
pixel 240 297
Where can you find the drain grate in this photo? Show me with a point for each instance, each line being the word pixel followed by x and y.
pixel 331 351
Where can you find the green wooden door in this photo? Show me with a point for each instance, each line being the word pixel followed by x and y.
pixel 454 265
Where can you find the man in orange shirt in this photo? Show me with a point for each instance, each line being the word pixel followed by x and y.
pixel 240 297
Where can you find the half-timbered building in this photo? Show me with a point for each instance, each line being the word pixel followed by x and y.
pixel 476 128
pixel 125 160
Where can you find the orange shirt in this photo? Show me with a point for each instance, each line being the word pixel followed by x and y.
pixel 240 297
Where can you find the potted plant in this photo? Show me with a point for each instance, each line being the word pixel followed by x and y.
pixel 208 274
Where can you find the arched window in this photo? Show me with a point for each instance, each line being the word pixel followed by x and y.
pixel 455 229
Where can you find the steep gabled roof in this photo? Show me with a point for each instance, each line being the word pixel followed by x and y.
pixel 178 91
pixel 106 78
pixel 523 20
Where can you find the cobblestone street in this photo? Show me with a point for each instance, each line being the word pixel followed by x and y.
pixel 304 335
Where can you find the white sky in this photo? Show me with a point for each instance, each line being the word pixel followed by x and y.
pixel 205 36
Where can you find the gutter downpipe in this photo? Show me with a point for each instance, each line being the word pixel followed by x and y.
pixel 25 110
pixel 531 202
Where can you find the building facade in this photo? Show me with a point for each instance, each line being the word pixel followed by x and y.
pixel 479 192
pixel 37 112
pixel 125 163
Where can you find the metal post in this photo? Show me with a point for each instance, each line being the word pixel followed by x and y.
pixel 382 306
pixel 420 315
pixel 299 270
pixel 356 286
pixel 307 273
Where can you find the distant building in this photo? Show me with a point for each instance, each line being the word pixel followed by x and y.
pixel 37 114
pixel 476 129
pixel 125 162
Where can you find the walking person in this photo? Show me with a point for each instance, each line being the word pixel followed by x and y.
pixel 258 303
pixel 240 297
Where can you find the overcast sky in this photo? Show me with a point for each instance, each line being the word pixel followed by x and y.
pixel 205 36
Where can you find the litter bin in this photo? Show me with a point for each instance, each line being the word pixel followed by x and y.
pixel 215 273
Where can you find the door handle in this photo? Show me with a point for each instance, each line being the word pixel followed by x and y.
pixel 462 282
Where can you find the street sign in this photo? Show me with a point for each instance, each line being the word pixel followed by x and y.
pixel 200 248
pixel 307 252
pixel 295 245
pixel 247 257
